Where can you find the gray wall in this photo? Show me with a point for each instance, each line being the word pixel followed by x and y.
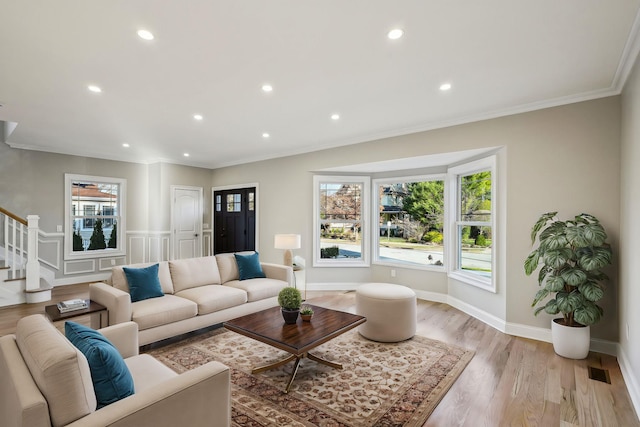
pixel 32 182
pixel 629 291
pixel 565 159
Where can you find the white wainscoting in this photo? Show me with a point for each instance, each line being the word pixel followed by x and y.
pixel 148 246
pixel 141 246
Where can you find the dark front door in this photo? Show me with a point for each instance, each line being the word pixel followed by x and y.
pixel 234 220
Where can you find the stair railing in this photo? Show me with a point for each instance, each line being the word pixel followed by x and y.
pixel 16 248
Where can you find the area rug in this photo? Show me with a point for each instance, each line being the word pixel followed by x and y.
pixel 396 384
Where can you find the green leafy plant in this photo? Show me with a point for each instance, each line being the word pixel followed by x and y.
pixel 305 310
pixel 572 254
pixel 290 298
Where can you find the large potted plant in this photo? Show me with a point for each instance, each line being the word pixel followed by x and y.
pixel 572 254
pixel 290 301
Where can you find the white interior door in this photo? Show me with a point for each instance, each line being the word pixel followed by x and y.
pixel 186 220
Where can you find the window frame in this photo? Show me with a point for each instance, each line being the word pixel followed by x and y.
pixel 69 253
pixel 453 201
pixel 364 261
pixel 375 232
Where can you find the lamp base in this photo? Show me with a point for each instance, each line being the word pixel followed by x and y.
pixel 288 257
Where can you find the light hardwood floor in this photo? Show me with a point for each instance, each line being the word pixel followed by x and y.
pixel 510 381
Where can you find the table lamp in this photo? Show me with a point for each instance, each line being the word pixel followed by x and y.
pixel 287 242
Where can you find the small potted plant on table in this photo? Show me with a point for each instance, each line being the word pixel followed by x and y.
pixel 306 313
pixel 290 300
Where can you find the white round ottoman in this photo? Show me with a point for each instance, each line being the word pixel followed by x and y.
pixel 390 311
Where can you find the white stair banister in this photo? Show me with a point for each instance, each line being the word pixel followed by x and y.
pixel 33 266
pixel 34 291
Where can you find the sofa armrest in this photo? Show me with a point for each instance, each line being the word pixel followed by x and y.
pixel 21 402
pixel 278 271
pixel 200 397
pixel 117 302
pixel 124 336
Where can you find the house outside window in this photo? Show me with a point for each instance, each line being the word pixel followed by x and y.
pixel 341 220
pixel 409 224
pixel 94 212
pixel 473 222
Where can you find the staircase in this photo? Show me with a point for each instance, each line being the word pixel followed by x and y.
pixel 20 280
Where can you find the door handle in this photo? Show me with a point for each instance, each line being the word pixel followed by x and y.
pixel 196 235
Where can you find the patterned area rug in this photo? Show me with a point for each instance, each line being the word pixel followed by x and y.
pixel 381 384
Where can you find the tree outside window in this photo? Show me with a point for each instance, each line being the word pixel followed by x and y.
pixel 340 206
pixel 473 222
pixel 411 221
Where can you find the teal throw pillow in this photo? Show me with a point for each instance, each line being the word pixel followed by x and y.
pixel 111 378
pixel 249 266
pixel 144 283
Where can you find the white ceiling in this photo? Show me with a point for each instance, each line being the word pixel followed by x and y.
pixel 211 57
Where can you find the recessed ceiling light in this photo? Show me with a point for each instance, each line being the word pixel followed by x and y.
pixel 335 117
pixel 445 87
pixel 94 88
pixel 267 88
pixel 125 145
pixel 144 34
pixel 265 135
pixel 198 116
pixel 395 34
pixel 186 154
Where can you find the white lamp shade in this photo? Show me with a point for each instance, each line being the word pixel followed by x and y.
pixel 287 241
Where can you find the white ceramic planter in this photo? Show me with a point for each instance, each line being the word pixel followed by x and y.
pixel 570 342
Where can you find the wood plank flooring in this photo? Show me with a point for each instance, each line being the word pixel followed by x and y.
pixel 510 381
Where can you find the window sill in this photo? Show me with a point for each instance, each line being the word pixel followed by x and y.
pixel 473 280
pixel 94 254
pixel 409 266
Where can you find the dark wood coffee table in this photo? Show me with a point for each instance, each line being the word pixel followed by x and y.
pixel 267 326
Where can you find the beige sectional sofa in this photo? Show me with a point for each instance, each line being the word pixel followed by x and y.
pixel 46 381
pixel 198 292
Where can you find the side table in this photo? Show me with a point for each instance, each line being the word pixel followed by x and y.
pixel 54 314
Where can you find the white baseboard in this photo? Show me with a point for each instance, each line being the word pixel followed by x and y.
pixel 481 315
pixel 515 329
pixel 332 286
pixel 72 280
pixel 432 296
pixel 526 331
pixel 629 379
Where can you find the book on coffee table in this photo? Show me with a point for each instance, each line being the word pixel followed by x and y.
pixel 71 305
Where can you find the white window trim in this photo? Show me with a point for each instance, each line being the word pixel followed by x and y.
pixel 365 217
pixel 451 200
pixel 375 235
pixel 69 254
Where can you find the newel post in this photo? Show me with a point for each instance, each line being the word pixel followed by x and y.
pixel 34 292
pixel 33 265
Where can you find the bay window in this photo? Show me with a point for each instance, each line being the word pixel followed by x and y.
pixel 340 220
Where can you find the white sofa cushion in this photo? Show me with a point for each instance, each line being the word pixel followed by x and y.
pixel 214 297
pixel 228 267
pixel 193 272
pixel 148 372
pixel 119 279
pixel 153 312
pixel 58 368
pixel 258 289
